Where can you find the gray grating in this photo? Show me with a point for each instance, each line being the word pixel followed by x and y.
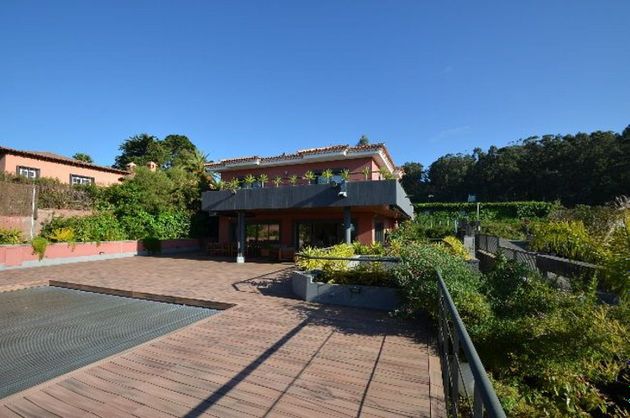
pixel 48 331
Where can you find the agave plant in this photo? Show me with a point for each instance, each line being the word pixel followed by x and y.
pixel 249 180
pixel 345 174
pixel 263 178
pixel 277 181
pixel 367 172
pixel 327 175
pixel 293 179
pixel 309 176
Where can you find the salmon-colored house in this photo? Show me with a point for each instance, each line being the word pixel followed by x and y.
pixel 35 164
pixel 313 197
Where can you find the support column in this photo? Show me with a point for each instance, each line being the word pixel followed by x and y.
pixel 240 237
pixel 347 224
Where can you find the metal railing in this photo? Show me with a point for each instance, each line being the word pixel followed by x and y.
pixel 453 340
pixel 544 263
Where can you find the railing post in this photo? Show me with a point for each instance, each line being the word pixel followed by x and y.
pixel 455 371
pixel 477 403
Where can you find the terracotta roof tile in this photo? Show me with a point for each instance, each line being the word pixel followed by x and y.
pixel 306 152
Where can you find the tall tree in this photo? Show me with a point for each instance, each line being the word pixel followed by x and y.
pixel 179 150
pixel 81 156
pixel 140 149
pixel 364 140
pixel 413 181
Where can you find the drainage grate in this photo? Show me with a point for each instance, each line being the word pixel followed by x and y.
pixel 48 331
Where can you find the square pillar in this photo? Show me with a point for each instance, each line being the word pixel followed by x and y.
pixel 240 237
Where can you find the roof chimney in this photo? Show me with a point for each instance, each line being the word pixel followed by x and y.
pixel 131 167
pixel 152 166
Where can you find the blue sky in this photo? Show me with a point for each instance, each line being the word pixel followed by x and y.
pixel 263 77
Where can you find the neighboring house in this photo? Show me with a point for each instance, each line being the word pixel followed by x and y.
pixel 36 164
pixel 317 212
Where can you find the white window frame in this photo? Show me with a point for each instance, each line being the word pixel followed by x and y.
pixel 28 172
pixel 76 179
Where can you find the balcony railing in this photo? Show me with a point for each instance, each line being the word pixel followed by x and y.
pixel 453 340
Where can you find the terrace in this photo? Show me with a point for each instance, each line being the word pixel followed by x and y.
pixel 268 355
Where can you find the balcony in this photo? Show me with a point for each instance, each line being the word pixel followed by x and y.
pixel 362 193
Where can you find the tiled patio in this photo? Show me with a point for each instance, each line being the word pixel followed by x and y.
pixel 269 355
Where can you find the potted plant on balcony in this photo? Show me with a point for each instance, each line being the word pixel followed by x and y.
pixel 263 178
pixel 277 181
pixel 249 180
pixel 293 179
pixel 367 172
pixel 385 174
pixel 233 185
pixel 327 175
pixel 309 176
pixel 345 175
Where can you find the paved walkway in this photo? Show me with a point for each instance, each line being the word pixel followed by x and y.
pixel 269 355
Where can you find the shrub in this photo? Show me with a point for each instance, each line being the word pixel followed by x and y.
pixel 550 352
pixel 416 276
pixel 10 236
pixel 93 228
pixel 62 235
pixel 455 247
pixel 505 228
pixel 375 248
pixel 39 245
pixel 519 210
pixel 568 239
pixel 366 274
pixel 340 250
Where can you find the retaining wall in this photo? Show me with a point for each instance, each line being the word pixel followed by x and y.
pixel 20 256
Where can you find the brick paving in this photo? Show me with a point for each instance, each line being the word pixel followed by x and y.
pixel 269 355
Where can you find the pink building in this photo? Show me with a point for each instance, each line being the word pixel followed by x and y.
pixel 35 164
pixel 353 194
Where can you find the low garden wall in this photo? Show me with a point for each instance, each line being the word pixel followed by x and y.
pixel 370 297
pixel 20 256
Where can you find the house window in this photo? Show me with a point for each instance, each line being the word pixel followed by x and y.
pixel 379 232
pixel 263 232
pixel 76 179
pixel 28 172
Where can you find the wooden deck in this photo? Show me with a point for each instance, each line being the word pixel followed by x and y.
pixel 269 355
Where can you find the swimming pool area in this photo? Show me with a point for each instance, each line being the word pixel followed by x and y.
pixel 48 331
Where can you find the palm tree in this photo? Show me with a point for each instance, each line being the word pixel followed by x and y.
pixel 196 164
pixel 345 174
pixel 309 176
pixel 327 175
pixel 249 180
pixel 263 178
pixel 277 181
pixel 367 172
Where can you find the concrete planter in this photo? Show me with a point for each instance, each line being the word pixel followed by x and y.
pixel 369 297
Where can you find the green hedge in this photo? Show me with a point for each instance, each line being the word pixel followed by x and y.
pixel 520 210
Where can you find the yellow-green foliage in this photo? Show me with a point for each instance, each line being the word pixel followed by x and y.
pixel 455 247
pixel 616 259
pixel 568 239
pixel 340 250
pixel 62 235
pixel 10 236
pixel 39 245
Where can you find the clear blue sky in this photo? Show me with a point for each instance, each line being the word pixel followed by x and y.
pixel 263 77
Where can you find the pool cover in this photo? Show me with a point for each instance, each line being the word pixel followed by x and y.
pixel 48 331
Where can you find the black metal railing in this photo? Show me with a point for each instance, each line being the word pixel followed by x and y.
pixel 453 340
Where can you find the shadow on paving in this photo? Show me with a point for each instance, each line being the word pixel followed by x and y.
pixel 338 319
